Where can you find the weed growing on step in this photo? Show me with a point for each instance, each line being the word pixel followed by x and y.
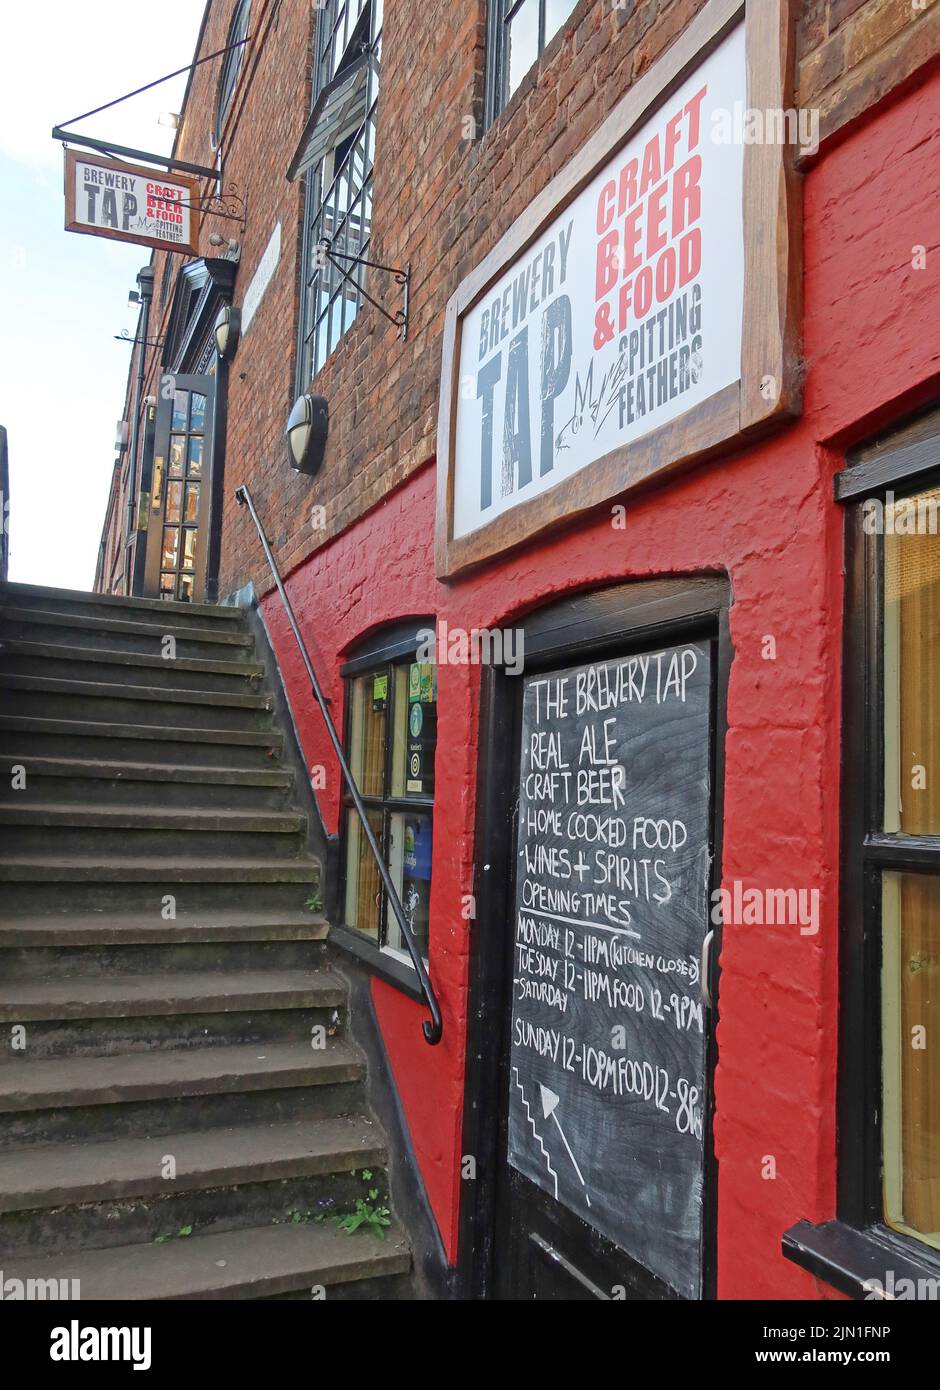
pixel 314 903
pixel 173 1235
pixel 374 1219
pixel 365 1214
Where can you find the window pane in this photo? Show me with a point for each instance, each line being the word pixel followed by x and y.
pixel 522 43
pixel 171 541
pixel 912 670
pixel 409 859
pixel 173 501
pixel 911 1026
pixel 195 458
pixel 180 402
pixel 556 12
pixel 192 501
pixel 367 744
pixel 198 421
pixel 189 549
pixel 415 733
pixel 177 454
pixel 363 884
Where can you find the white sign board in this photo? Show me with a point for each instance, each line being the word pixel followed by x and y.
pixel 625 313
pixel 104 197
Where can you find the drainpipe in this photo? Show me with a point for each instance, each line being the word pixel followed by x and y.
pixel 145 279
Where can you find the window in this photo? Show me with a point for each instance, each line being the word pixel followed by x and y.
pixel 910 901
pixel 391 740
pixel 889 1010
pixel 338 203
pixel 231 66
pixel 518 32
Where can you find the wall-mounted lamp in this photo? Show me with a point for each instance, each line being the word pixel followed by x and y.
pixel 228 331
pixel 133 299
pixel 169 118
pixel 307 428
pixel 217 239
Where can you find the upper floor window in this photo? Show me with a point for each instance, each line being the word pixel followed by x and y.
pixel 518 32
pixel 231 66
pixel 336 154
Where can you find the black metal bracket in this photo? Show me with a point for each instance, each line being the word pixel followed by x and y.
pixel 402 277
pixel 125 337
pixel 68 137
pixel 108 147
pixel 228 204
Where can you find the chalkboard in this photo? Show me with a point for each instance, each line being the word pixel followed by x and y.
pixel 607 1068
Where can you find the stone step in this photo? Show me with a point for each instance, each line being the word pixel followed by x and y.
pixel 137 743
pixel 75 662
pixel 27 1084
pixel 255 1262
pixel 156 959
pixel 153 869
pixel 67 930
pixel 84 780
pixel 151 818
pixel 136 832
pixel 123 633
pixel 83 602
pixel 103 702
pixel 55 1175
pixel 129 996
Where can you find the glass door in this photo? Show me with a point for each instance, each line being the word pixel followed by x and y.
pixel 179 507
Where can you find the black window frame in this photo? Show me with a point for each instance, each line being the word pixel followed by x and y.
pixel 499 14
pixel 363 34
pixel 859 1244
pixel 393 645
pixel 230 70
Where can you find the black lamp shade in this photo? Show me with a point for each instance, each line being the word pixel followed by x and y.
pixel 308 426
pixel 228 328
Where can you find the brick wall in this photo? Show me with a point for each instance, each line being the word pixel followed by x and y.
pixel 441 201
pixel 853 53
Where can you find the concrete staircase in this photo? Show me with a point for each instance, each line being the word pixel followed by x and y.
pixel 168 1126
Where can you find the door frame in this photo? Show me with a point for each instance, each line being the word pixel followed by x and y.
pixel 588 624
pixel 192 383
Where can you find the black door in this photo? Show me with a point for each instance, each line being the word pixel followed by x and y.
pixel 178 519
pixel 604 1182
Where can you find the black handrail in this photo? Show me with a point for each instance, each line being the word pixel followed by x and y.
pixel 433 1029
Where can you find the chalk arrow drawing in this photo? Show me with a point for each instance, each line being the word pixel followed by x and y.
pixel 548 1161
pixel 550 1102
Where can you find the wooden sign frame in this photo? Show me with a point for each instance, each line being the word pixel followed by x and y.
pixel 768 392
pixel 74 157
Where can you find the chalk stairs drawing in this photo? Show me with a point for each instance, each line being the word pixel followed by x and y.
pixel 169 1127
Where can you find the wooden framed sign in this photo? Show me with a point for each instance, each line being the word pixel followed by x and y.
pixel 127 202
pixel 644 311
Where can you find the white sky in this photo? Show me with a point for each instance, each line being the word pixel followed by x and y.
pixel 63 296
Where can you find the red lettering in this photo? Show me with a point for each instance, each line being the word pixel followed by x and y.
pixel 605 207
pixel 687 194
pixel 607 268
pixel 690 256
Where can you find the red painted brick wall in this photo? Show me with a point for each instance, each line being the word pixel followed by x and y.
pixel 766 517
